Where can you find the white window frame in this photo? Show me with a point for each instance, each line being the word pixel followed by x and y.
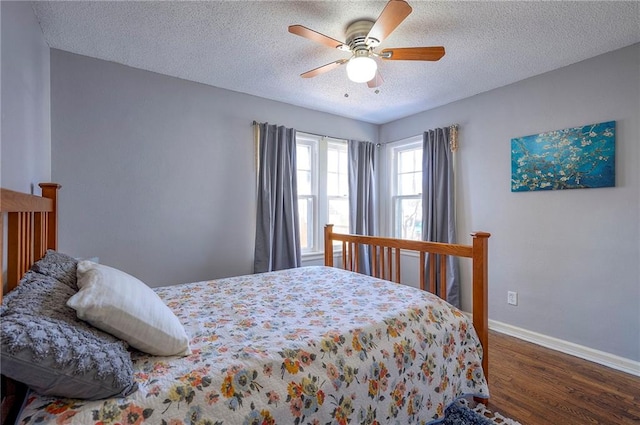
pixel 319 148
pixel 393 149
pixel 341 144
pixel 312 142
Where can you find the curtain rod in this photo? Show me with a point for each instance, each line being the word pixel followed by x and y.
pixel 450 127
pixel 453 127
pixel 313 134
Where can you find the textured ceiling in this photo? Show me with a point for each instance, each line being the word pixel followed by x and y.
pixel 245 46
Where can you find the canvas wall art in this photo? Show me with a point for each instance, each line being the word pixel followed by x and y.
pixel 573 158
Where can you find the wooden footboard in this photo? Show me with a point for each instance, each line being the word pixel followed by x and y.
pixel 32 228
pixel 385 264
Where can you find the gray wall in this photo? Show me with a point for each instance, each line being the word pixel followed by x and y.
pixel 573 256
pixel 158 173
pixel 25 135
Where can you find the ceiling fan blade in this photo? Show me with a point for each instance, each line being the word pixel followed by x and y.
pixel 393 14
pixel 315 36
pixel 324 68
pixel 413 53
pixel 376 81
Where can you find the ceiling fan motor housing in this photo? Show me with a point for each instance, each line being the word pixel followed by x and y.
pixel 357 38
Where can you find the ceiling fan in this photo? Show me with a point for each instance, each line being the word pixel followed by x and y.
pixel 362 38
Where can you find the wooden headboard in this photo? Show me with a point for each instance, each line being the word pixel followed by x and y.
pixel 32 228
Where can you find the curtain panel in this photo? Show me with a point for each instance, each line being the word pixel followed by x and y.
pixel 277 244
pixel 362 196
pixel 438 203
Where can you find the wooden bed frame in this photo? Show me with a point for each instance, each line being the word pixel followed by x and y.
pixel 32 228
pixel 385 264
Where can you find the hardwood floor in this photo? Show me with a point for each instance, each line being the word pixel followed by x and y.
pixel 535 385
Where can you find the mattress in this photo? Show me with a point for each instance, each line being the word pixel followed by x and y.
pixel 312 345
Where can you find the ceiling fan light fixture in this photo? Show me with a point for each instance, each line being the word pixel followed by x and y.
pixel 363 38
pixel 361 69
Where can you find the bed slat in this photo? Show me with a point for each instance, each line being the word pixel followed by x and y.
pixel 423 278
pixel 432 273
pixel 40 234
pixel 20 252
pixel 443 277
pixel 397 265
pixel 375 271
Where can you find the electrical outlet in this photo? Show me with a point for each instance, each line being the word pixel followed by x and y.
pixel 512 297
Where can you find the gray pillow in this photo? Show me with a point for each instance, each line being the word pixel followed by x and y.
pixel 58 266
pixel 46 346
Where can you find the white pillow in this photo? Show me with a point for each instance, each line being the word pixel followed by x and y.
pixel 125 307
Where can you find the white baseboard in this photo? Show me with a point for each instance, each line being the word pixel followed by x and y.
pixel 607 359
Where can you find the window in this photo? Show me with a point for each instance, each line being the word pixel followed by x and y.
pixel 323 188
pixel 406 189
pixel 338 186
pixel 307 191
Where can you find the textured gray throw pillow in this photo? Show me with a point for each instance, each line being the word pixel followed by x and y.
pixel 58 266
pixel 46 346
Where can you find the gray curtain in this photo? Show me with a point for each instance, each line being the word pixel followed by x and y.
pixel 438 203
pixel 362 195
pixel 277 232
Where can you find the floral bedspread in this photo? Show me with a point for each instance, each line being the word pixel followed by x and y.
pixel 313 345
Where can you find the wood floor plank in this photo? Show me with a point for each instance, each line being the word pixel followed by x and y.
pixel 539 386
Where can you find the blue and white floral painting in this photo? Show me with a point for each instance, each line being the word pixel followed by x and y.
pixel 573 158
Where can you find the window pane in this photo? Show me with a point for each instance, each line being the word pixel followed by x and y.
pixel 409 160
pixel 339 214
pixel 337 185
pixel 303 157
pixel 410 183
pixel 305 213
pixel 344 173
pixel 408 218
pixel 409 171
pixel 333 160
pixel 333 180
pixel 337 169
pixel 304 182
pixel 343 185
